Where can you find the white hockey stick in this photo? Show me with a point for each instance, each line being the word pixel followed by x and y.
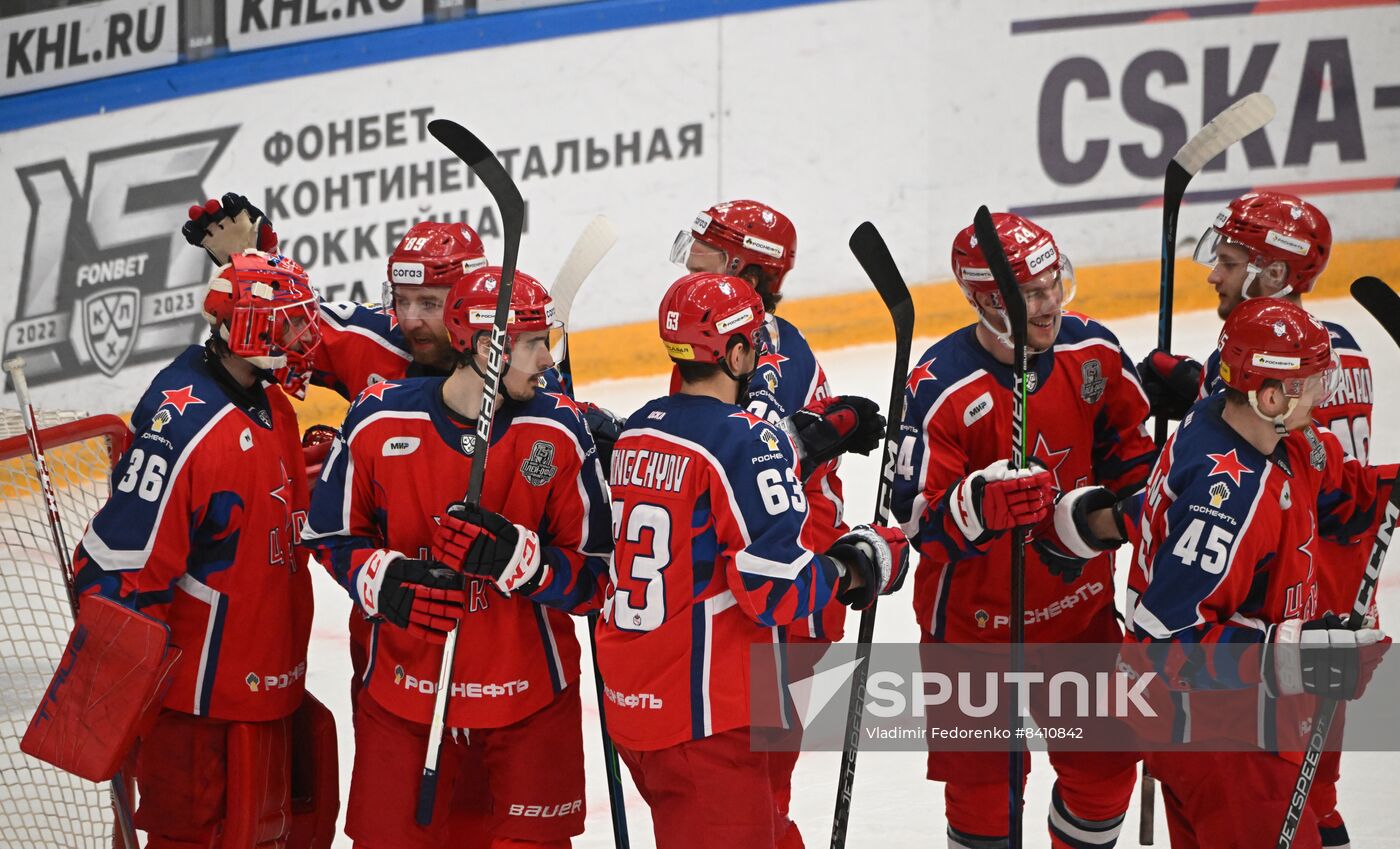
pixel 593 244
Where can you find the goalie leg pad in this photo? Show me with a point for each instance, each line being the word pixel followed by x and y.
pixel 315 777
pixel 106 691
pixel 181 771
pixel 259 805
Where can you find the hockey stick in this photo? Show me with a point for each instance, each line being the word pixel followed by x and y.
pixel 497 181
pixel 593 244
pixel 1384 306
pixel 1246 115
pixel 874 256
pixel 1238 120
pixel 1015 305
pixel 15 366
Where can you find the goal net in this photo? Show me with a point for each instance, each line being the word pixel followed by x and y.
pixel 41 806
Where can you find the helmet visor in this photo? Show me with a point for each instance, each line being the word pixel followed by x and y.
pixel 419 302
pixel 697 256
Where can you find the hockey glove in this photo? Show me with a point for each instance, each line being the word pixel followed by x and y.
pixel 830 427
pixel 1170 382
pixel 998 498
pixel 423 597
pixel 1326 657
pixel 221 228
pixel 878 555
pixel 486 544
pixel 605 427
pixel 1066 541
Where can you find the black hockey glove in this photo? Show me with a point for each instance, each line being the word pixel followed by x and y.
pixel 1065 541
pixel 488 545
pixel 1171 383
pixel 217 228
pixel 1326 657
pixel 833 426
pixel 605 427
pixel 423 597
pixel 879 555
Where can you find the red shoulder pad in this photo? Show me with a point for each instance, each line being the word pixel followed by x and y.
pixel 106 691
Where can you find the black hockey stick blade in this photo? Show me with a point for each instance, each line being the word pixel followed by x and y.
pixel 986 231
pixel 874 257
pixel 504 192
pixel 984 228
pixel 1381 302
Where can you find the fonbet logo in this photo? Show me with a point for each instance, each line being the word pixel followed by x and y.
pixel 108 280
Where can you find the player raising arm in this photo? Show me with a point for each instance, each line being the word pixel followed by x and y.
pixel 384 520
pixel 1229 559
pixel 714 554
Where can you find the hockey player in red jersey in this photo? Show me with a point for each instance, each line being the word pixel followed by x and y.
pixel 1273 245
pixel 1230 557
pixel 405 336
pixel 200 532
pixel 758 244
pixel 384 520
pixel 715 553
pixel 958 500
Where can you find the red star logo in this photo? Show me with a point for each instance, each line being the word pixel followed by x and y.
pixel 1052 459
pixel 564 402
pixel 393 319
pixel 774 360
pixel 754 421
pixel 179 398
pixel 1228 464
pixel 281 492
pixel 376 390
pixel 921 373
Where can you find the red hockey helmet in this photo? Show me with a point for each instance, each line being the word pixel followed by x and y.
pixel 1031 252
pixel 471 306
pixel 263 306
pixel 700 313
pixel 1274 339
pixel 747 233
pixel 1272 227
pixel 433 253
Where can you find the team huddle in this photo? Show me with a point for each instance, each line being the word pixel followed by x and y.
pixel 708 522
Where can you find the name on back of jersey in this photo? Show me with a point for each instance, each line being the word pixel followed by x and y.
pixel 648 469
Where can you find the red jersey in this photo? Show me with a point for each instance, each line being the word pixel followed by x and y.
pixel 401 458
pixel 360 345
pixel 714 554
pixel 200 532
pixel 1230 546
pixel 1085 420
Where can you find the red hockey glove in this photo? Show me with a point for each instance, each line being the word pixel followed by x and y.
pixel 1170 382
pixel 998 498
pixel 1326 657
pixel 486 544
pixel 830 427
pixel 878 555
pixel 423 597
pixel 1066 541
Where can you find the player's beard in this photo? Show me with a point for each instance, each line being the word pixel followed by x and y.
pixel 430 349
pixel 518 387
